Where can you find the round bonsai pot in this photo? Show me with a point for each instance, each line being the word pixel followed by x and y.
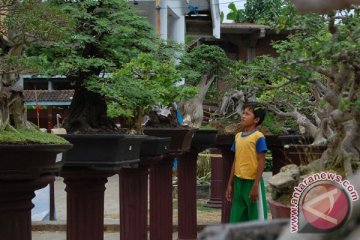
pixel 103 151
pixel 278 210
pixel 31 161
pixel 180 137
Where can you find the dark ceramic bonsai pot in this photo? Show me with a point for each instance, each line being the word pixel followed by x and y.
pixel 31 161
pixel 103 151
pixel 225 140
pixel 204 138
pixel 180 137
pixel 295 139
pixel 303 154
pixel 154 146
pixel 292 149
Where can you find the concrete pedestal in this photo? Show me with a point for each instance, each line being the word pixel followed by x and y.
pixel 216 187
pixel 227 161
pixel 85 203
pixel 16 205
pixel 161 215
pixel 187 196
pixel 133 203
pixel 224 143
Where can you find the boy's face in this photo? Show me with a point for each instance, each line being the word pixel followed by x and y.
pixel 248 118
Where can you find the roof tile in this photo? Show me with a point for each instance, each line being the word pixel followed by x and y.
pixel 48 95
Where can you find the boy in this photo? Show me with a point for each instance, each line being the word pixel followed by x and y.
pixel 246 173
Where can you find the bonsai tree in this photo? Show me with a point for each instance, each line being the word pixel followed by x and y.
pixel 315 81
pixel 200 67
pixel 145 82
pixel 22 24
pixel 109 34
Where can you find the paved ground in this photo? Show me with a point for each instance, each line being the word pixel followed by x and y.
pixel 56 230
pixel 62 236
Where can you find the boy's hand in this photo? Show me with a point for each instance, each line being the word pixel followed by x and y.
pixel 254 193
pixel 228 194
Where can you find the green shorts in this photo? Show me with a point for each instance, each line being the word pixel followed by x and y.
pixel 243 209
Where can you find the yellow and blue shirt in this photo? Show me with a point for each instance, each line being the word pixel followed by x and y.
pixel 246 148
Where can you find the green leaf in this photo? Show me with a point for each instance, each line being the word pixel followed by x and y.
pixel 232 7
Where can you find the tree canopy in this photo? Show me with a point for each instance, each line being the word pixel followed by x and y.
pixel 23 23
pixel 200 67
pixel 108 34
pixel 315 80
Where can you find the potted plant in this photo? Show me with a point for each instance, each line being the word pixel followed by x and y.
pixel 107 36
pixel 29 158
pixel 202 66
pixel 88 60
pixel 141 85
pixel 316 72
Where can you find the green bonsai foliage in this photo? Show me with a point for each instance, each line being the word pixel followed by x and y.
pixel 275 125
pixel 203 60
pixel 23 23
pixel 140 85
pixel 314 80
pixel 201 67
pixel 108 35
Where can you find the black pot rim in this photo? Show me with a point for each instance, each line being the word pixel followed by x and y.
pixel 37 147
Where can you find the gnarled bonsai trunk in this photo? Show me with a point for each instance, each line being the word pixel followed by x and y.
pixel 88 113
pixel 12 110
pixel 4 107
pixel 193 109
pixel 234 99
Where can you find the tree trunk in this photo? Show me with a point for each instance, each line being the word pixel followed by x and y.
pixel 12 110
pixel 4 107
pixel 87 113
pixel 18 116
pixel 193 109
pixel 234 99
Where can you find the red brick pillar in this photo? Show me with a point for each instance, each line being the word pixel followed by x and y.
pixel 187 196
pixel 16 205
pixel 133 203
pixel 85 204
pixel 216 187
pixel 224 143
pixel 227 161
pixel 161 200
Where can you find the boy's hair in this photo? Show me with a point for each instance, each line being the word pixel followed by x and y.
pixel 258 110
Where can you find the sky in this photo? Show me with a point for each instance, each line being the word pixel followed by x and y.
pixel 224 6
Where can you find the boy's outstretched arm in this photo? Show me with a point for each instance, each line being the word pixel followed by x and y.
pixel 228 194
pixel 254 193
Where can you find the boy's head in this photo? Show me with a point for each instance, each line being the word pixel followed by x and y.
pixel 258 111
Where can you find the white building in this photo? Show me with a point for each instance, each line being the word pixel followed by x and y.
pixel 173 19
